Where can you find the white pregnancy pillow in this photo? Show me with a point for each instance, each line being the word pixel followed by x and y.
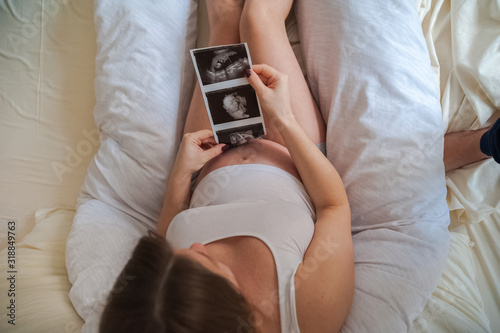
pixel 368 68
pixel 143 87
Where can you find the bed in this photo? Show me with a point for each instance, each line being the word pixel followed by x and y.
pixel 49 137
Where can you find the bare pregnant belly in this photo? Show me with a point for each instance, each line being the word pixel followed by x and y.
pixel 259 151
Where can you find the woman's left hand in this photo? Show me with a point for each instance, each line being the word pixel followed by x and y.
pixel 191 156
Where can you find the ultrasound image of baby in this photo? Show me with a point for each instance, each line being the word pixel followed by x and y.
pixel 239 138
pixel 226 65
pixel 235 106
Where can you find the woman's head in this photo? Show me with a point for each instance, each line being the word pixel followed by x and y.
pixel 174 291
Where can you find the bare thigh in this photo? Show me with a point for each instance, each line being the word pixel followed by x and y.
pixel 268 43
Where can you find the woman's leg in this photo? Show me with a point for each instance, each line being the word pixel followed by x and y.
pixel 262 26
pixel 224 21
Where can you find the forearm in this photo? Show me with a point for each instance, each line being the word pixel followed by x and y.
pixel 190 157
pixel 462 148
pixel 320 178
pixel 322 181
pixel 177 197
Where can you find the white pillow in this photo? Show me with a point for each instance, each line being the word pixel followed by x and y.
pixel 143 89
pixel 369 71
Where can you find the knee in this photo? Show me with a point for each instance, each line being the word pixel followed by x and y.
pixel 259 19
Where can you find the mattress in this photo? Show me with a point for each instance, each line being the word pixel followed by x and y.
pixel 48 135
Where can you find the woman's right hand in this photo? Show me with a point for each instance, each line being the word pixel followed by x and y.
pixel 191 156
pixel 272 89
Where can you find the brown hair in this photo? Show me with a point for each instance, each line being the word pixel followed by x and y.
pixel 165 292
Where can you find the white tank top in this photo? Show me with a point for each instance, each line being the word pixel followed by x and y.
pixel 253 200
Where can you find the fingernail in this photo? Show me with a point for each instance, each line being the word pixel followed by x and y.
pixel 247 72
pixel 225 148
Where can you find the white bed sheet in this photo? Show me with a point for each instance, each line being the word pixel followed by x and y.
pixel 47 131
pixel 463 38
pixel 486 236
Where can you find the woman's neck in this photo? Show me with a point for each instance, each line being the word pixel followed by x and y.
pixel 256 277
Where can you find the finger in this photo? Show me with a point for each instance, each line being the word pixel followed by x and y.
pixel 206 146
pixel 264 79
pixel 209 140
pixel 256 82
pixel 215 151
pixel 266 71
pixel 203 134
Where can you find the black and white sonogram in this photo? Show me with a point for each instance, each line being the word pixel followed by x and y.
pixel 233 104
pixel 240 135
pixel 221 63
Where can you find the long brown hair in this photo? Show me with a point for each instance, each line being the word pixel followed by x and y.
pixel 165 292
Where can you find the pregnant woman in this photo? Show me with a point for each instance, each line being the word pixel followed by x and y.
pixel 268 222
pixel 265 242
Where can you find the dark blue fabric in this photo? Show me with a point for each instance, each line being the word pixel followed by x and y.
pixel 490 142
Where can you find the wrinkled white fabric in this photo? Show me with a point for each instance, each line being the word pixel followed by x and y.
pixel 465 57
pixel 456 305
pixel 368 68
pixel 143 84
pixel 464 46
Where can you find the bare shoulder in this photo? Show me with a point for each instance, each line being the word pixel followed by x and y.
pixel 324 281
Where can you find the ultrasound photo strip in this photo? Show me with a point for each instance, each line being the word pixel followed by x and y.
pixel 231 102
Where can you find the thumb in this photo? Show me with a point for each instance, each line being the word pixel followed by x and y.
pixel 255 80
pixel 215 151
